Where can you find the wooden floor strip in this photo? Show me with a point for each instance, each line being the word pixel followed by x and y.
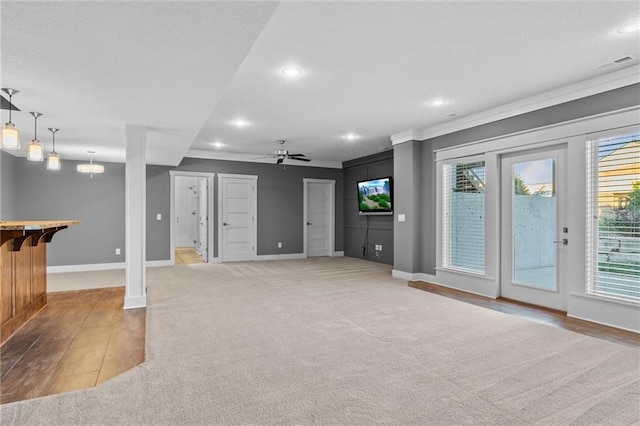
pixel 540 314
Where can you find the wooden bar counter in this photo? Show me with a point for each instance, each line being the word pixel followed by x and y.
pixel 23 270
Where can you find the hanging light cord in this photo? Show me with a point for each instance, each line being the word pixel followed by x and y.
pixel 35 126
pixel 10 105
pixel 54 141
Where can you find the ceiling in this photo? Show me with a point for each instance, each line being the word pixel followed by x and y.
pixel 186 70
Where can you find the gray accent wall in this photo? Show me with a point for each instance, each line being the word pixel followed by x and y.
pixel 280 200
pixel 407 169
pixel 158 202
pixel 8 193
pixel 98 203
pixel 613 100
pixel 355 226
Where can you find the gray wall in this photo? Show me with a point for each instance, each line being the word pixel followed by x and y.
pixel 158 202
pixel 280 200
pixel 8 194
pixel 98 203
pixel 597 104
pixel 355 225
pixel 409 194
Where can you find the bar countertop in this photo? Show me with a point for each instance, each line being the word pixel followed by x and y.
pixel 29 225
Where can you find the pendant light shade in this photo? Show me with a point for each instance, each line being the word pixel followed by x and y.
pixel 35 151
pixel 10 133
pixel 53 159
pixel 90 168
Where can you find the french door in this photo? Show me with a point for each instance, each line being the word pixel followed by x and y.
pixel 534 232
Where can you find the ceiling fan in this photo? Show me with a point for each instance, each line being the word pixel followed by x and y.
pixel 282 154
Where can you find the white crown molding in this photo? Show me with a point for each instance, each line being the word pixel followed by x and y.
pixel 251 158
pixel 406 136
pixel 571 92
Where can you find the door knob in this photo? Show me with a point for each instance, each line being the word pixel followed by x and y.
pixel 564 242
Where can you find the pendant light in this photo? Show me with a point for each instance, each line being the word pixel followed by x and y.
pixel 35 151
pixel 91 167
pixel 10 133
pixel 53 159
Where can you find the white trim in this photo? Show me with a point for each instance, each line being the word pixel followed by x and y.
pixel 600 84
pixel 172 211
pixel 338 254
pixel 407 276
pixel 251 158
pixel 406 136
pixel 288 256
pixel 553 132
pixel 88 267
pixel 216 260
pixel 254 178
pixel 133 302
pixel 332 212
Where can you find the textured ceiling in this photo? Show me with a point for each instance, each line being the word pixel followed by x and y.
pixel 186 69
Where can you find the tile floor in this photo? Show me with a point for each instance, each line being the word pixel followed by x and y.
pixel 79 340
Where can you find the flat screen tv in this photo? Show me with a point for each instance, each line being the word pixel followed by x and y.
pixel 375 196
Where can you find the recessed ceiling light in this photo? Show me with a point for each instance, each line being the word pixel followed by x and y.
pixel 437 102
pixel 630 27
pixel 351 136
pixel 291 71
pixel 217 144
pixel 240 122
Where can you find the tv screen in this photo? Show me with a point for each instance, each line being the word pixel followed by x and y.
pixel 375 196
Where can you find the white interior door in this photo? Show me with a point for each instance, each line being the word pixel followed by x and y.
pixel 318 219
pixel 534 230
pixel 238 217
pixel 185 207
pixel 203 218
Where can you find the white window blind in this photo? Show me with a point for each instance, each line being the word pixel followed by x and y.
pixel 463 216
pixel 613 216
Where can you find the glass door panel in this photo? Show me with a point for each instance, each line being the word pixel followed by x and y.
pixel 534 224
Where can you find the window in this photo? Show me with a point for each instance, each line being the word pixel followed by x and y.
pixel 463 216
pixel 613 216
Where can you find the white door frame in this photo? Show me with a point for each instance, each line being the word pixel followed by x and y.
pixel 209 176
pixel 332 213
pixel 255 212
pixel 525 293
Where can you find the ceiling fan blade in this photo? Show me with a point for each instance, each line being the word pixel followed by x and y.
pixel 299 159
pixel 296 155
pixel 280 160
pixel 262 158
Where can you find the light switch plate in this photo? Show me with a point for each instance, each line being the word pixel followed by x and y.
pixel 158 216
pixel 401 218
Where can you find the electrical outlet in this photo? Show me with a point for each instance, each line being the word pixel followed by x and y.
pixel 158 216
pixel 380 249
pixel 279 245
pixel 377 253
pixel 117 252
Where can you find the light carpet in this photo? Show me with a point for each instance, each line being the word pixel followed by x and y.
pixel 338 341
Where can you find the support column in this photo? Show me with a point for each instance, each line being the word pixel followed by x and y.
pixel 135 207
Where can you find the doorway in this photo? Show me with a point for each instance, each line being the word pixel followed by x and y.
pixel 237 207
pixel 319 217
pixel 534 229
pixel 191 204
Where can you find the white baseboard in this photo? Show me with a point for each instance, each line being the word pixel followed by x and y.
pixel 338 254
pixel 216 260
pixel 102 266
pixel 414 276
pixel 133 302
pixel 281 256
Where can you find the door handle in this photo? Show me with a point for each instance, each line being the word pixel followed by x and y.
pixel 564 242
pixel 225 224
pixel 309 223
pixel 193 213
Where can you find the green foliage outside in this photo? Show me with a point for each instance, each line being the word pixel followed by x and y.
pixel 519 187
pixel 624 221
